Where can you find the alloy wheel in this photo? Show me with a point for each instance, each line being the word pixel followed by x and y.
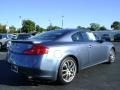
pixel 68 70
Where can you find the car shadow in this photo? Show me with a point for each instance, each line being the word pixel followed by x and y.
pixel 7 77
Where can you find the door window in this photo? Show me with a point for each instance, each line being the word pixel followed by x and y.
pixel 91 36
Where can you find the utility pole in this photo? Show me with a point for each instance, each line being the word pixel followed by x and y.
pixel 20 21
pixel 7 27
pixel 50 22
pixel 62 22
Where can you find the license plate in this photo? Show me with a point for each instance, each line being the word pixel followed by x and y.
pixel 14 68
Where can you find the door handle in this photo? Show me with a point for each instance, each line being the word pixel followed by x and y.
pixel 90 46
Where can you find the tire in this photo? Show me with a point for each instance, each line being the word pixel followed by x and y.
pixel 67 71
pixel 111 57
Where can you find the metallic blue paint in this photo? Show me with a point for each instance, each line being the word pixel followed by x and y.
pixel 87 53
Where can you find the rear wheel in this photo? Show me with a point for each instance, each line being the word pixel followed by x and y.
pixel 67 70
pixel 111 56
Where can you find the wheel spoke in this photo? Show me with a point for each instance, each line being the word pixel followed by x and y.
pixel 71 64
pixel 65 74
pixel 67 77
pixel 64 70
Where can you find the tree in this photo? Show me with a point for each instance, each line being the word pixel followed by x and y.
pixel 52 28
pixel 94 26
pixel 116 25
pixel 3 28
pixel 80 27
pixel 18 30
pixel 102 28
pixel 28 26
pixel 12 29
pixel 39 29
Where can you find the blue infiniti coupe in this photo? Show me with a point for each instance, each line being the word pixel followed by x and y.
pixel 59 55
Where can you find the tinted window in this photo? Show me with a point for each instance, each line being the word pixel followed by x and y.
pixel 23 36
pixel 77 37
pixel 117 34
pixel 0 36
pixel 4 36
pixel 52 35
pixel 105 34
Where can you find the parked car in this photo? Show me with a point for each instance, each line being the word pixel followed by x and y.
pixel 4 38
pixel 24 36
pixel 106 37
pixel 117 37
pixel 59 55
pixel 21 36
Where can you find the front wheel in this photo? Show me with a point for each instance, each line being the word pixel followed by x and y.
pixel 67 70
pixel 111 56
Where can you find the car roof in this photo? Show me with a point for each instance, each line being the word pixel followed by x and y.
pixel 24 34
pixel 5 34
pixel 70 30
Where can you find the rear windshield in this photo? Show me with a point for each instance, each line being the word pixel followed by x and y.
pixel 23 36
pixel 105 34
pixel 51 35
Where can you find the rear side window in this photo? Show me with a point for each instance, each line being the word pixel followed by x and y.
pixel 77 37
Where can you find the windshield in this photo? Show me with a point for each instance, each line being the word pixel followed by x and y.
pixel 3 36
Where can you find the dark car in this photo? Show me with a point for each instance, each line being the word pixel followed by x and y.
pixel 59 55
pixel 21 36
pixel 106 37
pixel 117 37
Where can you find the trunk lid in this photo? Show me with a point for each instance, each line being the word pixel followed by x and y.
pixel 19 46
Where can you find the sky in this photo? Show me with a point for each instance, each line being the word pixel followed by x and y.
pixel 75 12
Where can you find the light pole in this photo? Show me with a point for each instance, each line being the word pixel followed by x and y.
pixel 50 22
pixel 20 21
pixel 7 27
pixel 62 21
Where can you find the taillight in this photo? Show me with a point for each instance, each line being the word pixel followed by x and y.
pixel 37 50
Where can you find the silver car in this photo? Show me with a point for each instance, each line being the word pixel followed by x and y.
pixel 59 55
pixel 4 39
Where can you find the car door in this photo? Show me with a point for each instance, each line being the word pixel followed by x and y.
pixel 82 49
pixel 97 50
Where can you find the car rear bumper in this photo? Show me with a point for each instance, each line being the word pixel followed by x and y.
pixel 34 72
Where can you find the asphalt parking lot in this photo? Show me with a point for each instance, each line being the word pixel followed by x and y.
pixel 100 77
